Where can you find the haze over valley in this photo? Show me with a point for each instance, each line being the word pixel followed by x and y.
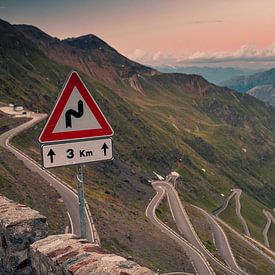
pixel 191 186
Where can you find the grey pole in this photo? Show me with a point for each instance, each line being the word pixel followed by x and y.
pixel 80 191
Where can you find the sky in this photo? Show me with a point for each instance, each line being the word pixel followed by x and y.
pixel 213 33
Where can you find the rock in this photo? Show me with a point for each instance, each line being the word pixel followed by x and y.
pixel 69 254
pixel 20 226
pixel 25 249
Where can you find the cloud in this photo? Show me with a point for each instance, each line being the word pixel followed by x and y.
pixel 198 22
pixel 246 54
pixel 152 58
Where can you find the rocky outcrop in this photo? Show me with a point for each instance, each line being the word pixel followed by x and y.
pixel 69 254
pixel 20 226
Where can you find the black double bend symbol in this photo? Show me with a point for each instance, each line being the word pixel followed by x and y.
pixel 76 114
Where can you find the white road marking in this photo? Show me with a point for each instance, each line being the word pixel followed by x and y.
pixel 71 222
pixel 31 123
pixel 194 249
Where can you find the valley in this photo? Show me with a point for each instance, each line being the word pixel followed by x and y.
pixel 185 227
pixel 259 85
pixel 215 138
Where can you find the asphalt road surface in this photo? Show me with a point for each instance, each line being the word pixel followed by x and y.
pixel 225 204
pixel 68 196
pixel 250 241
pixel 238 211
pixel 237 193
pixel 199 262
pixel 221 242
pixel 186 229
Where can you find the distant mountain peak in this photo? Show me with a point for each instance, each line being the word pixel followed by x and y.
pixel 32 31
pixel 244 83
pixel 86 42
pixel 87 53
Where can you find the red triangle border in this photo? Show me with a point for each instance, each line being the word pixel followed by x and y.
pixel 47 134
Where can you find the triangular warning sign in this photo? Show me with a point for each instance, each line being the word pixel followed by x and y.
pixel 75 115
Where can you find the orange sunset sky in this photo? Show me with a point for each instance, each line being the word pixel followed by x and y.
pixel 171 32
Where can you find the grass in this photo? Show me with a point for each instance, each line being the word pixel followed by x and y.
pixel 230 217
pixel 117 223
pixel 136 155
pixel 164 214
pixel 8 122
pixel 271 236
pixel 200 225
pixel 19 184
pixel 197 219
pixel 252 213
pixel 212 127
pixel 203 229
pixel 248 259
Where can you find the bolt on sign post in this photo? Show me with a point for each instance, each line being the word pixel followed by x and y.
pixel 76 132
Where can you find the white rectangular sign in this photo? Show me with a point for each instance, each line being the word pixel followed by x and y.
pixel 63 154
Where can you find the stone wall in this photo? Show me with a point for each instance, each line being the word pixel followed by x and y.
pixel 25 248
pixel 69 254
pixel 20 226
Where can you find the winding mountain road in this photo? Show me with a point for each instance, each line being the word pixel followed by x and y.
pixel 237 193
pixel 221 242
pixel 269 219
pixel 263 250
pixel 199 261
pixel 67 194
pixel 186 229
pixel 238 211
pixel 224 205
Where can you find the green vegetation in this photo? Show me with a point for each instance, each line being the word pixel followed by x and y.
pixel 203 229
pixel 18 183
pixel 7 122
pixel 199 223
pixel 229 216
pixel 172 121
pixel 253 213
pixel 247 258
pixel 164 214
pixel 271 236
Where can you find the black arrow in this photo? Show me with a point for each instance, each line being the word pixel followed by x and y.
pixel 79 113
pixel 104 147
pixel 51 154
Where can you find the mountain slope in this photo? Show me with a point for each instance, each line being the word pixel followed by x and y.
pixel 25 70
pixel 161 122
pixel 21 185
pixel 214 75
pixel 103 184
pixel 265 93
pixel 87 53
pixel 260 85
pixel 244 83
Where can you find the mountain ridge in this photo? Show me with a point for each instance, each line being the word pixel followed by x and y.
pixel 93 56
pixel 260 85
pixel 162 122
pixel 245 83
pixel 214 75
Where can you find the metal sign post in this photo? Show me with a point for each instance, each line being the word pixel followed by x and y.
pixel 80 191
